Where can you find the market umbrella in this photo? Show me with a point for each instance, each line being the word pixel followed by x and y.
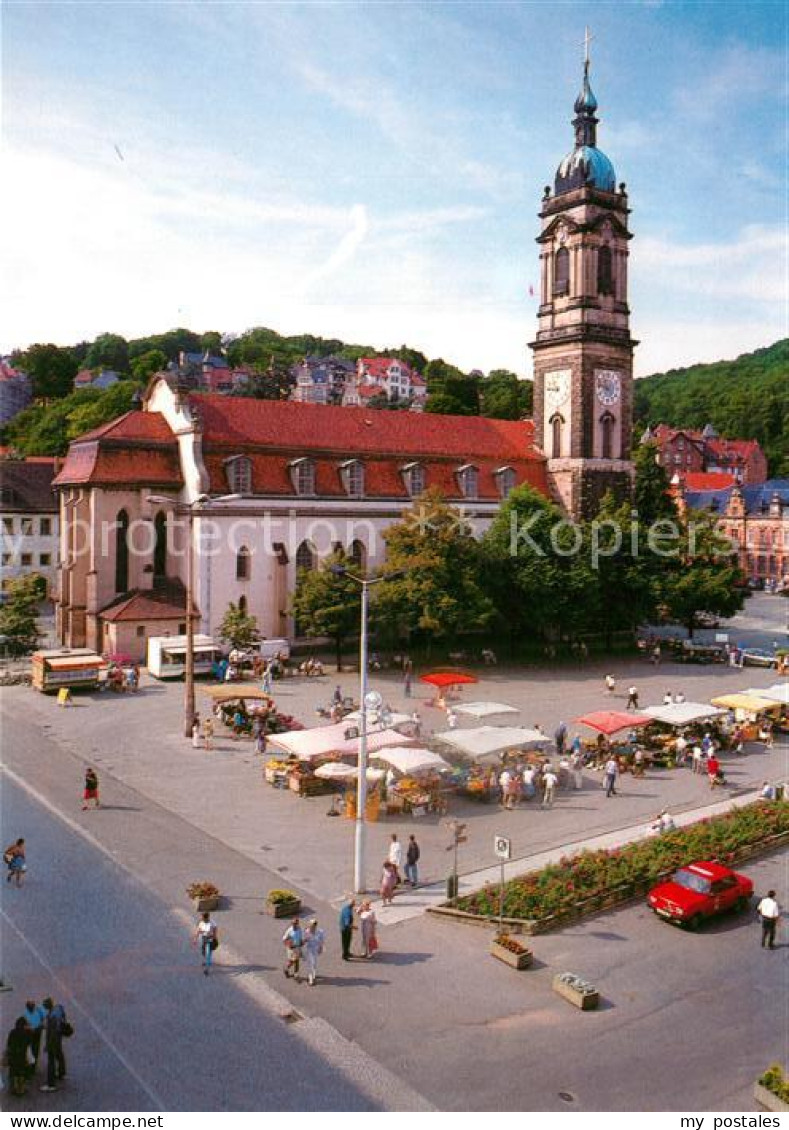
pixel 338 771
pixel 750 703
pixel 610 722
pixel 448 678
pixel 411 760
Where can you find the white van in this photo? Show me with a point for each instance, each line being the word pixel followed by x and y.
pixel 167 656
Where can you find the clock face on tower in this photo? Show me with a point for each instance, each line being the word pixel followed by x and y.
pixel 608 385
pixel 557 387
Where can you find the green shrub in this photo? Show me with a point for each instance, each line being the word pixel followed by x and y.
pixel 775 1081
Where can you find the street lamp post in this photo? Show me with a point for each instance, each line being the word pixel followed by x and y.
pixel 190 510
pixel 360 828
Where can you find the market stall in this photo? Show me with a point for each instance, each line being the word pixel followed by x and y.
pixel 691 719
pixel 609 724
pixel 488 743
pixel 414 780
pixel 778 692
pixel 306 750
pixel 750 711
pixel 484 709
pixel 447 683
pixel 238 707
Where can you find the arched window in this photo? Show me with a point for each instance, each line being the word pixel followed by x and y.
pixel 243 564
pixel 358 555
pixel 239 474
pixel 556 436
pixel 121 551
pixel 303 476
pixel 506 479
pixel 605 271
pixel 160 545
pixel 607 435
pixel 242 605
pixel 353 477
pixel 306 557
pixel 468 478
pixel 561 272
pixel 414 475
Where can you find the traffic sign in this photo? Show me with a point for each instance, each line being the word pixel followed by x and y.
pixel 502 846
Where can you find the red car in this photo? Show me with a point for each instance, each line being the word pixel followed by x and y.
pixel 698 891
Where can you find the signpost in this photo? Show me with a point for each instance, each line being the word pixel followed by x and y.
pixel 502 847
pixel 457 829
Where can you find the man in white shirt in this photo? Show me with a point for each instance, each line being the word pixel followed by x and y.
pixel 681 747
pixel 528 782
pixel 611 773
pixel 396 854
pixel 550 781
pixel 769 911
pixel 667 699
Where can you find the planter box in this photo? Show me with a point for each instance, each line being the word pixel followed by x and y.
pixel 516 960
pixel 206 903
pixel 584 999
pixel 768 1100
pixel 283 909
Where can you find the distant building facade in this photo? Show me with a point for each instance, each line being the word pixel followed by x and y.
pixel 322 380
pixel 385 376
pixel 16 391
pixel 87 378
pixel 685 451
pixel 29 520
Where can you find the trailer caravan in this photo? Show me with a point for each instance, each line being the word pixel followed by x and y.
pixel 167 656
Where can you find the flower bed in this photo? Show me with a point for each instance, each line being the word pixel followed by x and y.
pixel 772 1089
pixel 593 880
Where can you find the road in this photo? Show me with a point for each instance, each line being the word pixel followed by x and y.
pixel 151 1032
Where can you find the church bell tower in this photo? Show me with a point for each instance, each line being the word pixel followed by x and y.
pixel 583 352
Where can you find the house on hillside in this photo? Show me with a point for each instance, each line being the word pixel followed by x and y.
pixel 685 451
pixel 387 376
pixel 29 525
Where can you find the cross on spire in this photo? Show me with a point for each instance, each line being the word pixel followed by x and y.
pixel 588 37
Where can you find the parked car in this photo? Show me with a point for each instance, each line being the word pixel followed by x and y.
pixel 699 891
pixel 758 657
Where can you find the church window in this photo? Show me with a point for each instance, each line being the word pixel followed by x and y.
pixel 605 273
pixel 556 436
pixel 239 474
pixel 243 564
pixel 561 276
pixel 306 557
pixel 607 435
pixel 160 545
pixel 242 605
pixel 121 551
pixel 357 554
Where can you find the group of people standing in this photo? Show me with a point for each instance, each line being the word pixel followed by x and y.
pixel 397 860
pixel 39 1024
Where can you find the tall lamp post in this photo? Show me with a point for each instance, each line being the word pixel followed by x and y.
pixel 189 667
pixel 360 829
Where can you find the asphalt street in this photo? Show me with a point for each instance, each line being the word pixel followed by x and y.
pixel 152 1033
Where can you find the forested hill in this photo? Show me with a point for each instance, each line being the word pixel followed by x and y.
pixel 747 398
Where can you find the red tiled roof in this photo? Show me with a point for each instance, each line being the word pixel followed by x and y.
pixel 138 447
pixel 379 366
pixel 144 606
pixel 736 449
pixel 707 480
pixel 149 427
pixel 233 425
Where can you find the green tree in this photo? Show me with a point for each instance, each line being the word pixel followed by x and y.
pixel 48 429
pixel 18 614
pixel 276 381
pixel 170 343
pixel 441 594
pixel 109 351
pixel 652 498
pixel 704 576
pixel 51 370
pixel 144 366
pixel 504 396
pixel 212 341
pixel 327 604
pixel 110 404
pixel 451 392
pixel 238 628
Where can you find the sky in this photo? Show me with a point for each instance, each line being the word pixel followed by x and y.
pixel 373 171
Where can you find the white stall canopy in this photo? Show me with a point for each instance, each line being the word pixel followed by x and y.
pixel 778 692
pixel 323 740
pixel 393 719
pixel 488 742
pixel 484 709
pixel 407 759
pixel 339 771
pixel 682 713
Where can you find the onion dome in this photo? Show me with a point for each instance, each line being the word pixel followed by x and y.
pixel 586 166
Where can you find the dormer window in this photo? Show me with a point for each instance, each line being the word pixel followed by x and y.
pixel 302 473
pixel 352 473
pixel 505 478
pixel 468 480
pixel 239 474
pixel 414 475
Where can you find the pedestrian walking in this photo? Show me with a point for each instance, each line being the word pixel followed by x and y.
pixel 207 935
pixel 656 654
pixel 697 757
pixel 91 790
pixel 611 774
pixel 367 927
pixel 416 722
pixel 336 698
pixel 679 698
pixel 388 883
pixel 412 854
pixel 293 941
pixel 407 684
pixel 577 766
pixel 35 1017
pixel 196 732
pixel 681 749
pixel 452 719
pixel 16 1049
pixel 314 939
pixel 395 856
pixel 266 684
pixel 667 698
pixel 560 737
pixel 632 697
pixel 16 861
pixel 346 928
pixel 528 786
pixel 549 781
pixel 55 1028
pixel 713 770
pixel 769 912
pixel 208 733
pixel 610 684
